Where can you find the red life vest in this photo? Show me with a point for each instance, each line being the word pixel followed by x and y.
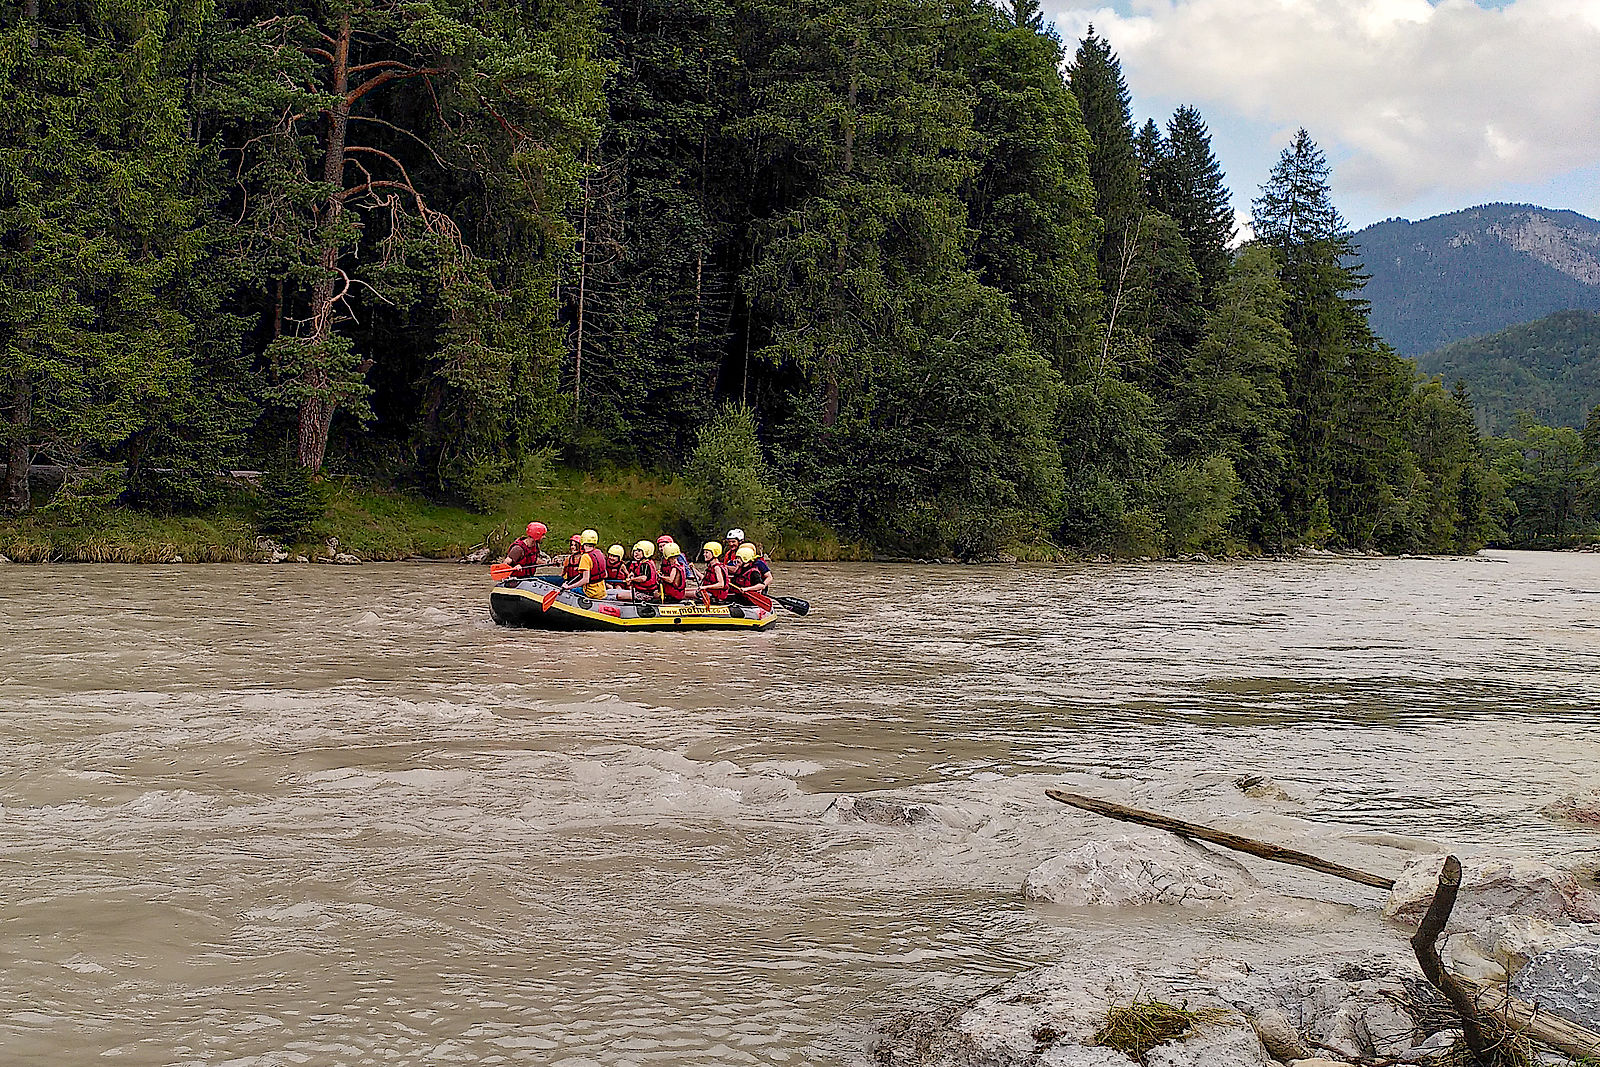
pixel 598 565
pixel 714 570
pixel 673 580
pixel 616 570
pixel 647 577
pixel 524 556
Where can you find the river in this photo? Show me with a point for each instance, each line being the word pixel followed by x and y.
pixel 282 815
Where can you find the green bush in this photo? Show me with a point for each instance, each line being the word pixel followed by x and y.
pixel 1200 502
pixel 292 502
pixel 727 479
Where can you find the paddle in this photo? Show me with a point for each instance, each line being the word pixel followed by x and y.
pixel 794 604
pixel 499 572
pixel 549 598
pixel 760 600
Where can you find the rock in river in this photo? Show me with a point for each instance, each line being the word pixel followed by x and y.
pixel 1580 808
pixel 1565 982
pixel 1492 888
pixel 882 811
pixel 1132 870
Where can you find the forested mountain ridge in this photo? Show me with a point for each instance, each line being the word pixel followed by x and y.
pixel 906 268
pixel 1549 368
pixel 1472 272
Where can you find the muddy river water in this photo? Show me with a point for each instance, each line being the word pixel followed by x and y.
pixel 284 815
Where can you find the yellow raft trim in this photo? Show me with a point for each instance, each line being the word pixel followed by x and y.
pixel 717 616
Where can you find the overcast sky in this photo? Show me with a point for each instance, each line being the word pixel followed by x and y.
pixel 1422 107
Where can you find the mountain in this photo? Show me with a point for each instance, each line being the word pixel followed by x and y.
pixel 1550 367
pixel 1473 272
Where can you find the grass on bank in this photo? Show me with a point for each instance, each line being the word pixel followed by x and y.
pixel 378 524
pixel 1136 1028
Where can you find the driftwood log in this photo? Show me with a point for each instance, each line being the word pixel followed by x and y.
pixel 1266 851
pixel 1474 1000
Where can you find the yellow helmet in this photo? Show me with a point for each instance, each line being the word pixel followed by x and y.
pixel 671 549
pixel 589 537
pixel 746 553
pixel 615 552
pixel 713 547
pixel 647 547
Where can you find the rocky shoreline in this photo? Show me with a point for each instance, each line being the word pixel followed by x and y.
pixel 1528 924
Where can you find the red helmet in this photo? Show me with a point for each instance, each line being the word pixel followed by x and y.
pixel 536 530
pixel 664 539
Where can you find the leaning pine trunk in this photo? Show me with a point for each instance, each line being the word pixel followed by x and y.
pixel 316 410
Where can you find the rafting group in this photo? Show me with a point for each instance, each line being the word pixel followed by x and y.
pixel 731 570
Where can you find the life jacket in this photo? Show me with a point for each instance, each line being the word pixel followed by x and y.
pixel 616 570
pixel 569 569
pixel 714 570
pixel 528 560
pixel 674 578
pixel 598 564
pixel 647 578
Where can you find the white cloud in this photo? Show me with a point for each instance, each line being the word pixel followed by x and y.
pixel 1412 97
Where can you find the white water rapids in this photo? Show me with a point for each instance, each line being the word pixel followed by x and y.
pixel 281 815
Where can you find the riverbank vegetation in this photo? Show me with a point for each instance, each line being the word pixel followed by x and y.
pixel 893 274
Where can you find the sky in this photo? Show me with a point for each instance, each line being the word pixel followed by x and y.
pixel 1421 107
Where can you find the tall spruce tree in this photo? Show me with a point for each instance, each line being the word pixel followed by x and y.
pixel 917 410
pixel 100 227
pixel 1095 77
pixel 1029 199
pixel 1193 193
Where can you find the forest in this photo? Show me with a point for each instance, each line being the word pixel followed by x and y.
pixel 910 270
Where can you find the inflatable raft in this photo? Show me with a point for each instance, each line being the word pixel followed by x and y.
pixel 520 602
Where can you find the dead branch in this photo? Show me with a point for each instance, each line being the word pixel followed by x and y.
pixel 1423 944
pixel 1266 851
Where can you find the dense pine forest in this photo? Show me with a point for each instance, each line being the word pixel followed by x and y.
pixel 911 270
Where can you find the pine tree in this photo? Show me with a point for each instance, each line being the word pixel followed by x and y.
pixel 375 144
pixel 1232 400
pixel 1024 14
pixel 1029 200
pixel 1193 193
pixel 100 227
pixel 916 411
pixel 1095 77
pixel 1152 151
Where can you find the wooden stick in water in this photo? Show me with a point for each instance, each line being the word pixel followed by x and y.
pixel 1266 851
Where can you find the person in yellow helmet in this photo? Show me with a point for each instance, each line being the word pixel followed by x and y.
pixel 616 566
pixel 714 585
pixel 644 579
pixel 750 575
pixel 674 572
pixel 586 567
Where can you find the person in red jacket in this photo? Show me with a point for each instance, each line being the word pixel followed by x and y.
pixel 714 585
pixel 751 575
pixel 644 578
pixel 585 567
pixel 616 566
pixel 524 555
pixel 674 572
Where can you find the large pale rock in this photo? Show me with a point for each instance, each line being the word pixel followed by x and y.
pixel 1565 982
pixel 269 551
pixel 477 555
pixel 1279 1036
pixel 1345 1006
pixel 1510 941
pixel 1580 808
pixel 1128 871
pixel 1492 888
pixel 880 811
pixel 1219 1044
